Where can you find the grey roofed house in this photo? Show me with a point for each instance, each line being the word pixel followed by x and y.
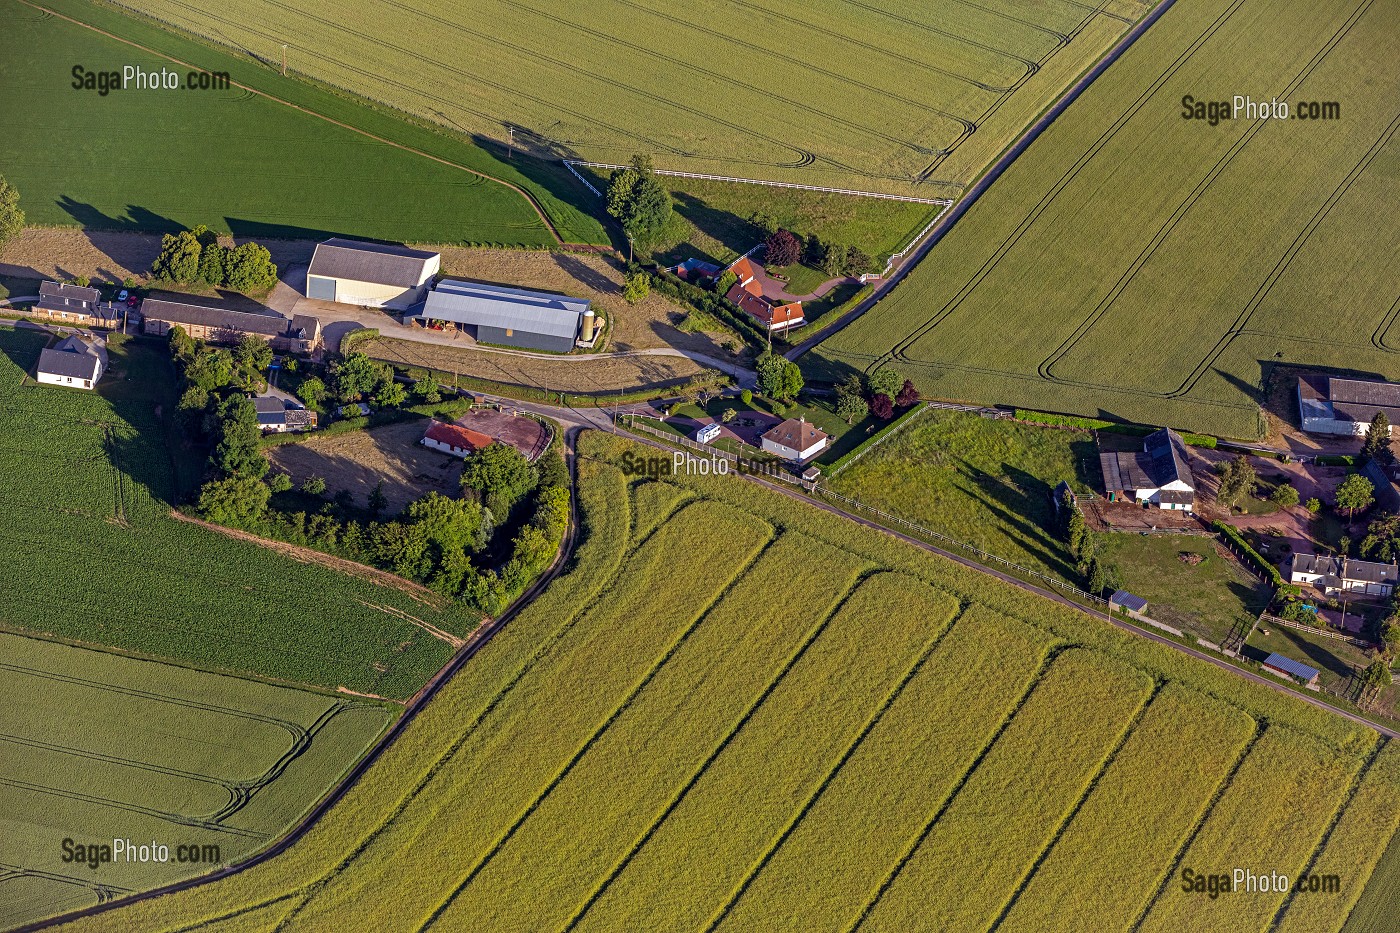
pixel 55 296
pixel 380 263
pixel 270 410
pixel 512 316
pixel 71 357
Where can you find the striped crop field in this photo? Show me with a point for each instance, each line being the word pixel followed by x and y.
pixel 89 551
pixel 874 95
pixel 96 747
pixel 266 156
pixel 732 713
pixel 1141 264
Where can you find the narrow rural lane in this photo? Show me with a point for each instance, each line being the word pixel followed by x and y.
pixel 993 172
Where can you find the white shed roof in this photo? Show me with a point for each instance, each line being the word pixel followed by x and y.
pixel 499 306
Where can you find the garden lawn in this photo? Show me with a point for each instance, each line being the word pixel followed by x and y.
pixel 1208 600
pixel 1336 659
pixel 985 482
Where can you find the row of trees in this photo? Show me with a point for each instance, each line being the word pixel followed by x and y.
pixel 881 394
pixel 782 247
pixel 214 406
pixel 196 256
pixel 11 214
pixel 1099 574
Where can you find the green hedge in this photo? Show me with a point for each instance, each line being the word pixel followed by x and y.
pixel 711 303
pixel 350 341
pixel 842 462
pixel 1232 534
pixel 1345 460
pixel 708 379
pixel 1113 427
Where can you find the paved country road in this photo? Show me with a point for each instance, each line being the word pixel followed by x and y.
pixel 994 172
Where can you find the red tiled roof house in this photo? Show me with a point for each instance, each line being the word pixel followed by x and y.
pixel 454 439
pixel 747 293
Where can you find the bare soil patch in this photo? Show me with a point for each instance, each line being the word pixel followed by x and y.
pixel 575 375
pixel 524 434
pixel 361 460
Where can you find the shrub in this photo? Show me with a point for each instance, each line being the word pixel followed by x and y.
pixel 1313 505
pixel 1285 496
pixel 746 397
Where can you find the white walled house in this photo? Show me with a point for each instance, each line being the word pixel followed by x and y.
pixel 1337 575
pixel 72 362
pixel 455 440
pixel 796 439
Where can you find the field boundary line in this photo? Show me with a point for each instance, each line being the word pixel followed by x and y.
pixel 1260 728
pixel 1357 780
pixel 929 648
pixel 701 176
pixel 619 710
pixel 544 218
pixel 1090 786
pixel 1047 660
pixel 810 638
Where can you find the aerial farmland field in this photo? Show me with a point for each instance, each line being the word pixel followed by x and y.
pixel 733 713
pixel 90 552
pixel 236 159
pixel 872 96
pixel 95 747
pixel 1133 263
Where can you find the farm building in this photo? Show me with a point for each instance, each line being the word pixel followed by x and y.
pixel 276 416
pixel 75 304
pixel 454 439
pixel 747 293
pixel 1337 575
pixel 300 334
pixel 695 270
pixel 1387 482
pixel 71 362
pixel 1329 405
pixel 374 275
pixel 1288 668
pixel 1132 605
pixel 1158 475
pixel 513 317
pixel 795 439
pixel 707 432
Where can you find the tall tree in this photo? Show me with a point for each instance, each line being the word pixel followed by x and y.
pixel 249 268
pixel 178 260
pixel 11 215
pixel 778 378
pixel 1237 481
pixel 850 399
pixel 885 381
pixel 638 200
pixel 500 476
pixel 239 452
pixel 1377 443
pixel 782 249
pixel 1355 494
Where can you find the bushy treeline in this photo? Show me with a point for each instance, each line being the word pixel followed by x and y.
pixel 195 255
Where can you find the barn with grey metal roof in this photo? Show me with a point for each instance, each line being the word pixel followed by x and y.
pixel 515 317
pixel 376 275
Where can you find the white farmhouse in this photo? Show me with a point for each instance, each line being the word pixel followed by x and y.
pixel 796 440
pixel 72 362
pixel 1157 475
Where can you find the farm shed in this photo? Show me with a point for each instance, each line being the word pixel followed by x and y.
pixel 795 439
pixel 1133 605
pixel 1330 405
pixel 374 275
pixel 514 317
pixel 1159 474
pixel 300 334
pixel 1288 668
pixel 454 439
pixel 72 362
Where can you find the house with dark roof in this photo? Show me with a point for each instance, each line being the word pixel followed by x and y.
pixel 455 440
pixel 278 416
pixel 512 317
pixel 1333 405
pixel 796 439
pixel 70 362
pixel 75 304
pixel 299 334
pixel 1157 475
pixel 373 275
pixel 747 293
pixel 1336 576
pixel 1385 476
pixel 1287 668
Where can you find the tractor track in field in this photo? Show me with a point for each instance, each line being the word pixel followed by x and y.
pixel 529 198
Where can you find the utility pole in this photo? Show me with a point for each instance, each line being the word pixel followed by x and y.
pixel 284 59
pixel 511 153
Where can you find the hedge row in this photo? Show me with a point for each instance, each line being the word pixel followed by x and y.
pixel 707 379
pixel 846 459
pixel 1232 534
pixel 1113 427
pixel 350 341
pixel 1346 460
pixel 711 303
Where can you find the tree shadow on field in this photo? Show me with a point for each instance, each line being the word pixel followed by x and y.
pixel 585 274
pixel 1017 502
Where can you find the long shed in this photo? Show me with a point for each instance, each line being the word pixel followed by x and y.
pixel 513 317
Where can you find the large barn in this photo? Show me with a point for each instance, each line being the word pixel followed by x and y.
pixel 1331 405
pixel 513 317
pixel 373 275
pixel 299 334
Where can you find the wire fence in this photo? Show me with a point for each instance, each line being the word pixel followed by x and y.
pixel 1288 623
